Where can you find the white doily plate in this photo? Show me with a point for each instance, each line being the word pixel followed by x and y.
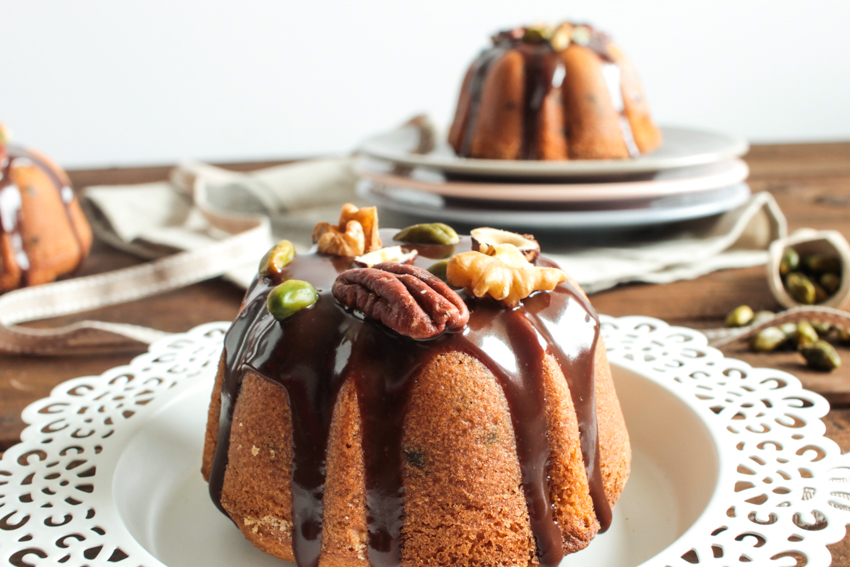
pixel 730 463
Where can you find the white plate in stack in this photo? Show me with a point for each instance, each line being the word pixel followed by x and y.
pixel 694 174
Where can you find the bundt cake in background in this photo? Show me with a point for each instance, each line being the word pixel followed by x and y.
pixel 443 401
pixel 43 232
pixel 552 93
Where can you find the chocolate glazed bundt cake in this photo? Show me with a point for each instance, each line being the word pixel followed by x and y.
pixel 43 232
pixel 552 93
pixel 446 401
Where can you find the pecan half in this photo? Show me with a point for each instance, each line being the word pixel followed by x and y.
pixel 409 300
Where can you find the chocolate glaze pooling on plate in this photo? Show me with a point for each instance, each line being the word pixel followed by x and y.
pixel 312 354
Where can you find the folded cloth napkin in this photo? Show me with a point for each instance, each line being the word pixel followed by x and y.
pixel 148 219
pixel 737 239
pixel 207 221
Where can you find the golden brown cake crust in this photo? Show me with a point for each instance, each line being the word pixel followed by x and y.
pixel 459 444
pixel 464 503
pixel 579 118
pixel 256 492
pixel 499 134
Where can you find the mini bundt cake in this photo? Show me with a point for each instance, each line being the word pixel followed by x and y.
pixel 446 401
pixel 43 232
pixel 559 93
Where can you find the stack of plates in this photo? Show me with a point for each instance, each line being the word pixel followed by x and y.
pixel 694 174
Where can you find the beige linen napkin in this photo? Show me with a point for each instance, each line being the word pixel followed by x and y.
pixel 208 221
pixel 737 239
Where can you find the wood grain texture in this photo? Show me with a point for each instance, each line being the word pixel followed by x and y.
pixel 811 182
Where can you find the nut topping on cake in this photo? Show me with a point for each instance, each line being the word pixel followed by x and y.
pixel 355 235
pixel 409 300
pixel 484 240
pixel 505 275
pixel 431 233
pixel 389 254
pixel 277 259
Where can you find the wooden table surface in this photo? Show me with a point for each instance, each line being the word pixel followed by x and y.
pixel 811 182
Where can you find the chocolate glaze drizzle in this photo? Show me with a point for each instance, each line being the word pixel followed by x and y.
pixel 544 71
pixel 312 354
pixel 11 203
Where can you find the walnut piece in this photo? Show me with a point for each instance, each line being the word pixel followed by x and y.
pixel 355 235
pixel 484 238
pixel 407 299
pixel 504 275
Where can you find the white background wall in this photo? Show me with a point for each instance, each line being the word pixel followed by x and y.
pixel 100 82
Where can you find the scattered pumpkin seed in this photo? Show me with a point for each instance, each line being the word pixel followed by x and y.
pixel 740 316
pixel 805 335
pixel 768 340
pixel 821 356
pixel 823 329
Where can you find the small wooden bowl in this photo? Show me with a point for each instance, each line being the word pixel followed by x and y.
pixel 808 241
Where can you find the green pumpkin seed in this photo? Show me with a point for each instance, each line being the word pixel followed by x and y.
pixel 276 259
pixel 821 356
pixel 740 316
pixel 431 233
pixel 536 34
pixel 830 283
pixel 822 329
pixel 820 294
pixel 439 269
pixel 800 288
pixel 822 264
pixel 290 297
pixel 768 340
pixel 790 261
pixel 805 335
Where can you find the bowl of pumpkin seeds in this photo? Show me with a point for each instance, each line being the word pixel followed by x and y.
pixel 810 268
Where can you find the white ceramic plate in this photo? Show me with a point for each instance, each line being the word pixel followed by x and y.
pixel 660 184
pixel 428 206
pixel 730 464
pixel 682 147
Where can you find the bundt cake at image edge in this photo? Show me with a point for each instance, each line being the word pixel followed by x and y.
pixel 552 93
pixel 43 232
pixel 445 401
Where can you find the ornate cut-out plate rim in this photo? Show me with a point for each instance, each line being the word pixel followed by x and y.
pixel 789 495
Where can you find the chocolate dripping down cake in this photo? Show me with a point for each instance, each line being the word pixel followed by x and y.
pixel 552 93
pixel 445 400
pixel 43 232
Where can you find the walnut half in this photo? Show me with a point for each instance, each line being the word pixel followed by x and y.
pixel 355 235
pixel 504 275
